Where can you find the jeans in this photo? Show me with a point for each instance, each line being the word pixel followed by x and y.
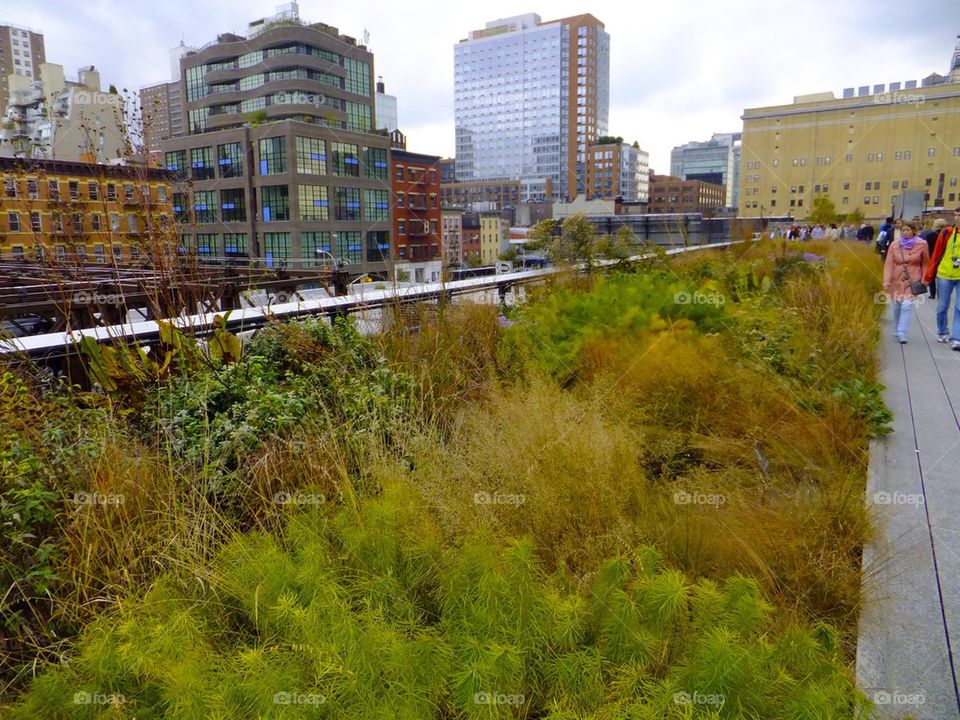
pixel 945 289
pixel 902 312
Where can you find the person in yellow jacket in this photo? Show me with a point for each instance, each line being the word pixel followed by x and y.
pixel 944 267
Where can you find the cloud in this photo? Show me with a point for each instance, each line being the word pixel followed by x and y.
pixel 680 70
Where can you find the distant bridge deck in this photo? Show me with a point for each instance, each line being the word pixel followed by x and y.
pixel 59 344
pixel 909 633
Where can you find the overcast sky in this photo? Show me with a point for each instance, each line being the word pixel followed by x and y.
pixel 680 69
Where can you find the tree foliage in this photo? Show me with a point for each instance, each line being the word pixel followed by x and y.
pixel 824 212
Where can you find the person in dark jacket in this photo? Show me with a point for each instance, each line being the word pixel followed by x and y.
pixel 886 236
pixel 865 233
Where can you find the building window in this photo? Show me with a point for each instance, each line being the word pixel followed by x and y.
pixel 849 157
pixel 207 245
pixel 195 86
pixel 115 222
pixel 931 152
pixel 95 222
pixel 234 244
pixel 346 204
pixel 230 160
pixel 276 203
pixel 13 221
pixel 378 245
pixel 100 254
pixel 53 190
pixel 401 227
pixel 74 188
pixel 906 154
pixel 346 159
pixel 76 222
pixel 315 249
pixel 128 192
pixel 36 223
pixel 314 205
pixel 33 188
pixel 276 248
pixel 375 163
pixel 311 156
pixel 358 117
pixel 401 201
pixel 205 206
pixel 57 222
pixel 896 184
pixel 93 190
pixel 161 193
pixel 132 224
pixel 273 156
pixel 10 187
pixel 180 211
pixel 177 163
pixel 233 204
pixel 111 192
pixel 347 246
pixel 376 205
pixel 358 77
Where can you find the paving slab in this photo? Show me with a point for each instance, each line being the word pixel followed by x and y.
pixel 910 621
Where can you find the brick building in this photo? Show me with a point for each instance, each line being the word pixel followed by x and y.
pixel 670 194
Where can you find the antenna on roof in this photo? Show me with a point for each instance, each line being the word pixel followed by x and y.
pixel 366 37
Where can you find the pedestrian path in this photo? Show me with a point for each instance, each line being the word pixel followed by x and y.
pixel 909 634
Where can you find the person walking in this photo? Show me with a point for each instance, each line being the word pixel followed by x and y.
pixel 885 238
pixel 945 267
pixel 865 234
pixel 903 270
pixel 931 236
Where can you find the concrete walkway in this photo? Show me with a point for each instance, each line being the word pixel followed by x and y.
pixel 909 634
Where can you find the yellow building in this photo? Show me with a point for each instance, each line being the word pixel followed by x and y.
pixel 491 235
pixel 82 212
pixel 861 150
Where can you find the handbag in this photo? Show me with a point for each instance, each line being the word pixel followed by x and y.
pixel 917 287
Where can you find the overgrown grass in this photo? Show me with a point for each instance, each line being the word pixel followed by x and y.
pixel 728 436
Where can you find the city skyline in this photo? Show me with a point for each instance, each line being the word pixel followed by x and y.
pixel 663 92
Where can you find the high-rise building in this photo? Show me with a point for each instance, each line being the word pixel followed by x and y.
pixel 861 150
pixel 616 169
pixel 386 109
pixel 280 151
pixel 21 53
pixel 714 161
pixel 529 98
pixel 58 119
pixel 161 108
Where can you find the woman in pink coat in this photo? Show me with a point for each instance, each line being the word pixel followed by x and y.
pixel 906 260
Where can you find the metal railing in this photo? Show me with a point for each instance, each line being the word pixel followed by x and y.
pixel 246 319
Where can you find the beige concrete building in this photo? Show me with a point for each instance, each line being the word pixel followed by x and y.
pixel 54 118
pixel 492 234
pixel 860 150
pixel 21 53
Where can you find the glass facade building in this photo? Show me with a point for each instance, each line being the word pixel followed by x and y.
pixel 529 97
pixel 714 161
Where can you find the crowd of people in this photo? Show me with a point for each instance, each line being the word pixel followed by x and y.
pixel 917 261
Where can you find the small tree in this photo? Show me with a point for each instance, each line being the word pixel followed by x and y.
pixel 619 246
pixel 577 241
pixel 854 217
pixel 823 212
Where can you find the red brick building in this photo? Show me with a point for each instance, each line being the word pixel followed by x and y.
pixel 670 194
pixel 470 237
pixel 416 206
